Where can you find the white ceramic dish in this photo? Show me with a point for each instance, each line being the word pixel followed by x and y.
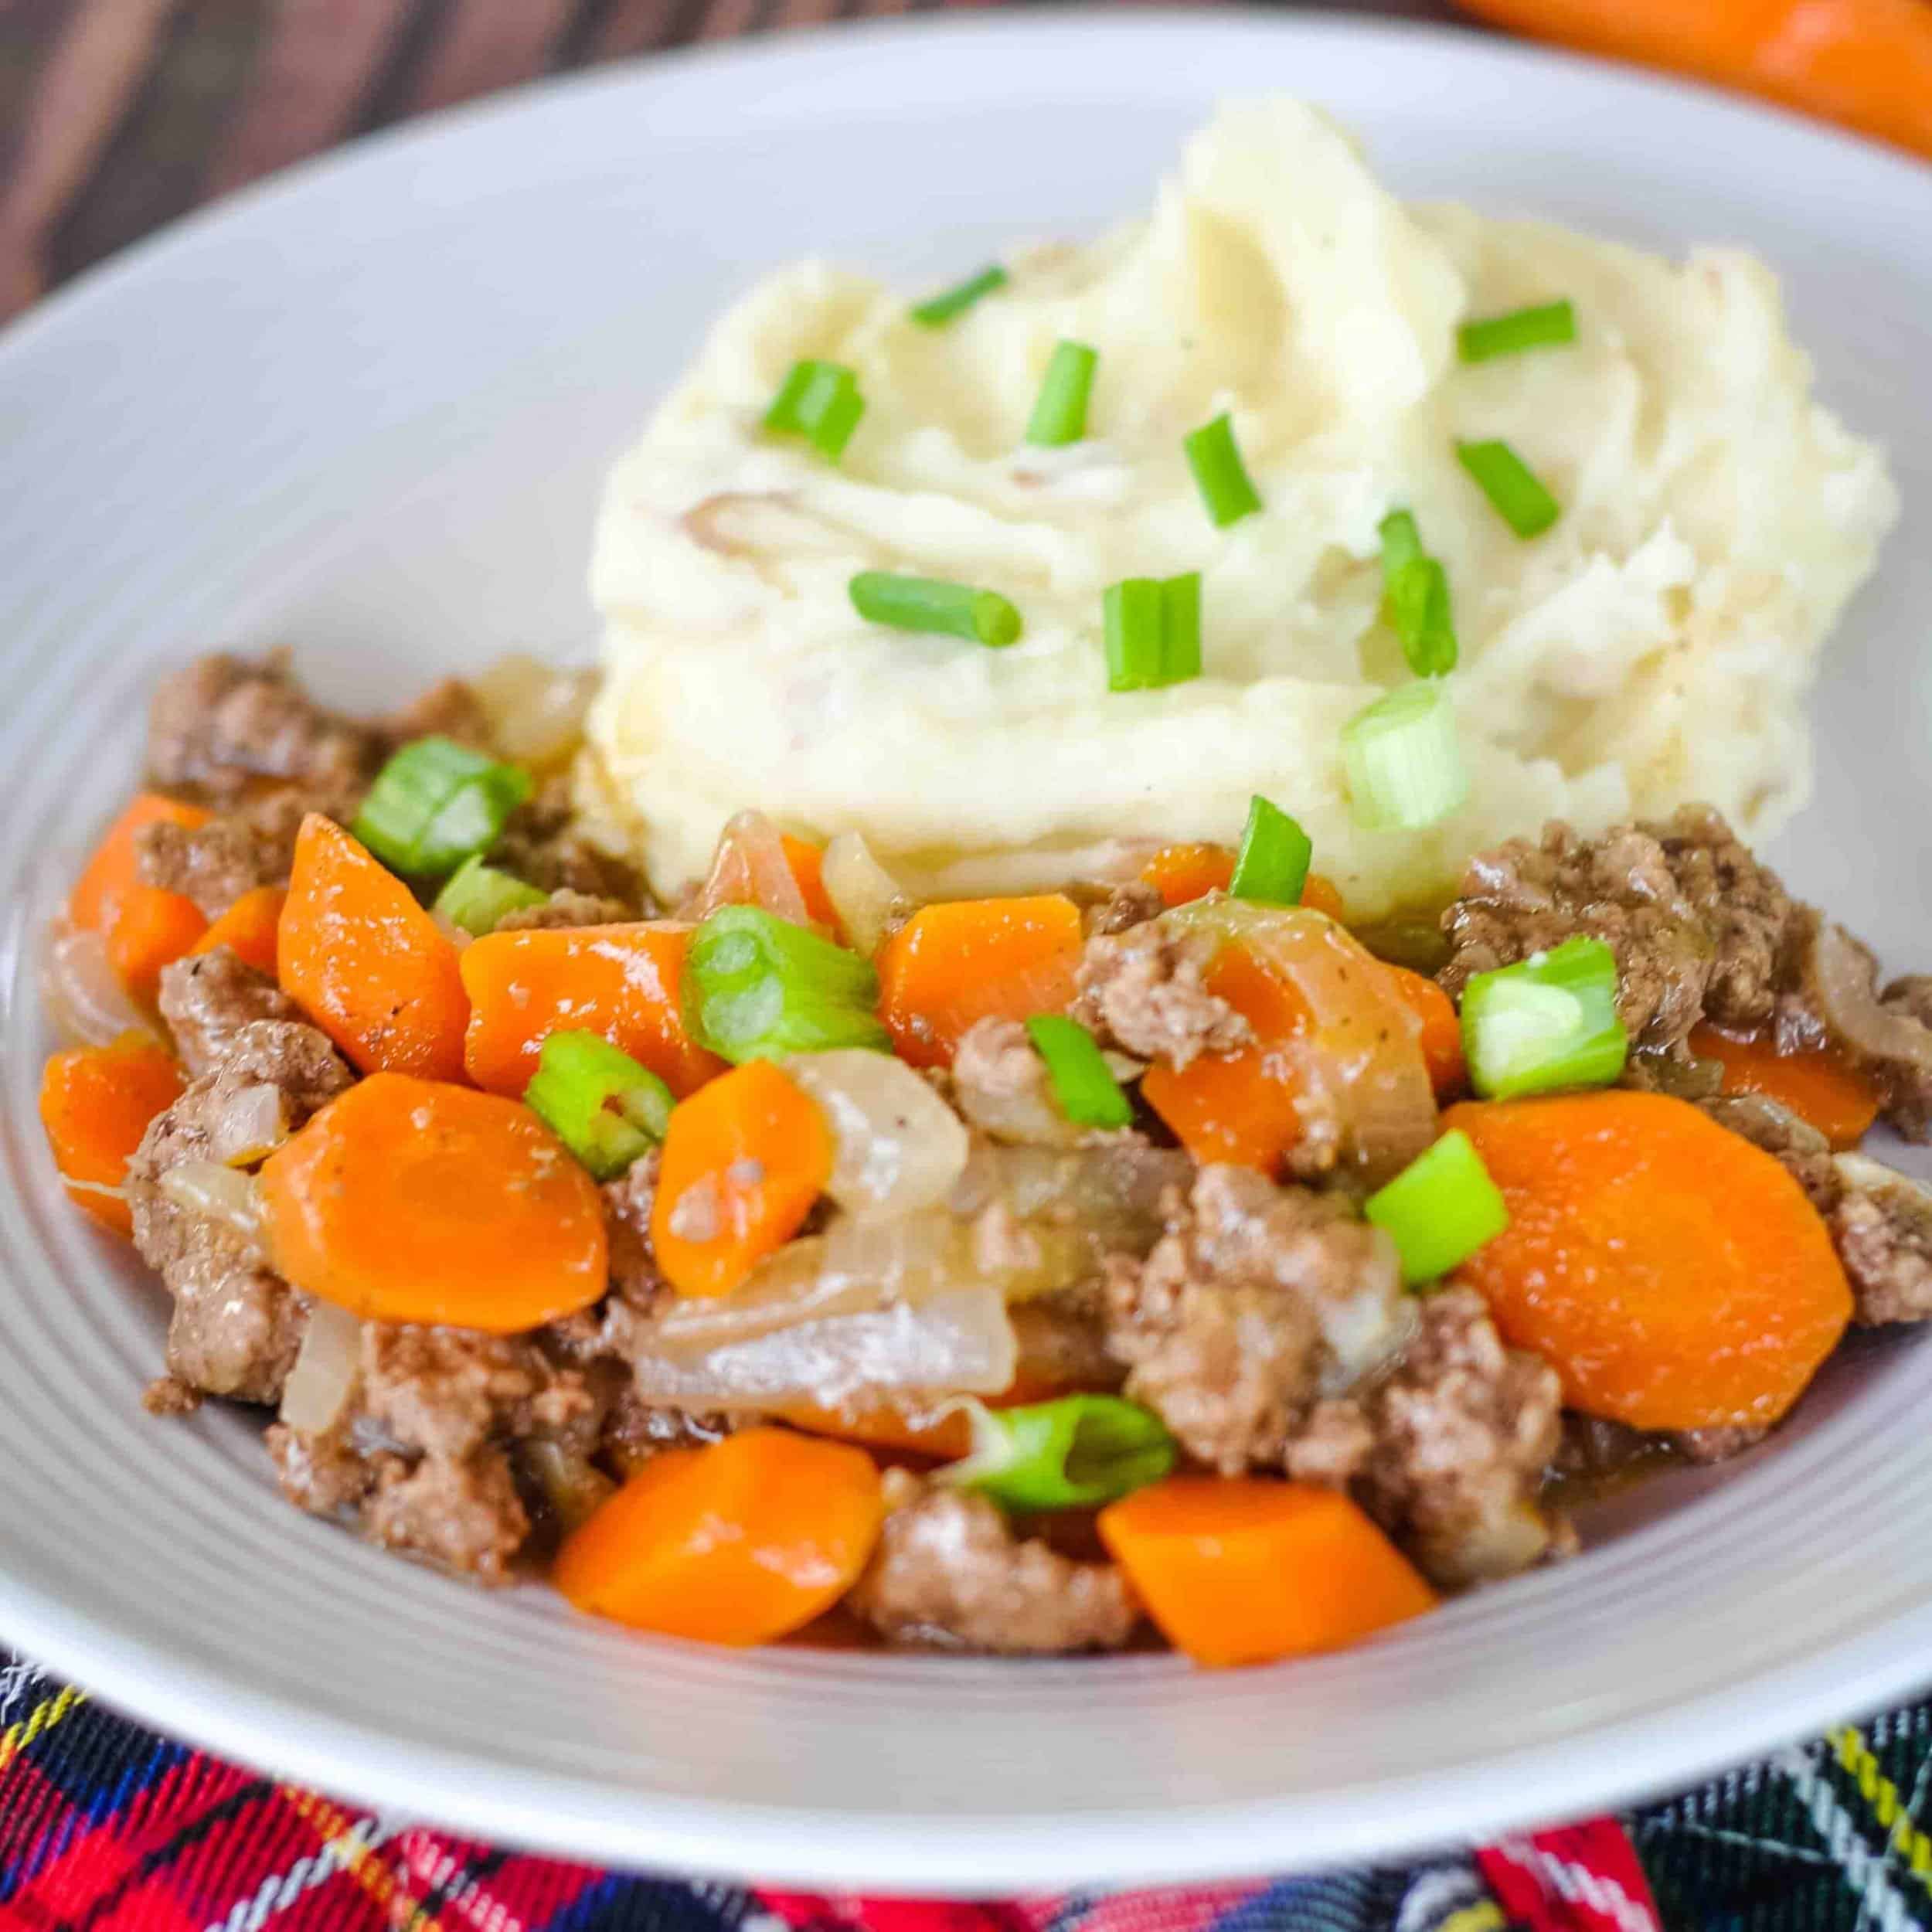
pixel 365 409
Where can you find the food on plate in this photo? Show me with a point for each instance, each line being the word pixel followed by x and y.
pixel 1281 384
pixel 1021 1077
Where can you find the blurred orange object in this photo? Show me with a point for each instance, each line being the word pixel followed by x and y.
pixel 1866 63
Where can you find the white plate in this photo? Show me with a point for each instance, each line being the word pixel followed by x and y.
pixel 365 409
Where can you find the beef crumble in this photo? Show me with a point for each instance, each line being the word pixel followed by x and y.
pixel 1142 991
pixel 949 1570
pixel 208 998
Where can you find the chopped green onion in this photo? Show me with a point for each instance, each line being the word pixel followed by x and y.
pixel 1084 1084
pixel 434 804
pixel 1059 414
pixel 1405 768
pixel 1441 1208
pixel 1224 483
pixel 819 401
pixel 925 603
pixel 1073 1454
pixel 756 986
pixel 1514 491
pixel 1272 866
pixel 478 896
pixel 1546 327
pixel 1549 1022
pixel 1153 631
pixel 941 309
pixel 1415 598
pixel 598 1100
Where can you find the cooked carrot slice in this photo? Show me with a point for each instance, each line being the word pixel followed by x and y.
pixel 144 928
pixel 1238 1107
pixel 1441 1029
pixel 95 1104
pixel 1675 1275
pixel 966 959
pixel 249 928
pixel 808 864
pixel 413 1200
pixel 740 1543
pixel 1180 873
pixel 1321 894
pixel 1817 1086
pixel 1243 1570
pixel 621 981
pixel 745 1158
pixel 366 963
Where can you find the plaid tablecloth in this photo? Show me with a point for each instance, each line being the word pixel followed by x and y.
pixel 105 1827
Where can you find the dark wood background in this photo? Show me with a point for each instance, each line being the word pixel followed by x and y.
pixel 117 115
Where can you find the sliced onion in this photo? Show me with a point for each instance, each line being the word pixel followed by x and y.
pixel 88 1003
pixel 252 1123
pixel 960 1341
pixel 215 1193
pixel 751 869
pixel 1838 974
pixel 1489 1547
pixel 319 1386
pixel 1360 1062
pixel 900 1146
pixel 1111 1194
pixel 535 710
pixel 1022 1114
pixel 869 902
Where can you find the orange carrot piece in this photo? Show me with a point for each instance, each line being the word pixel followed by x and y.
pixel 1322 895
pixel 1675 1275
pixel 366 963
pixel 744 1160
pixel 1243 1570
pixel 808 864
pixel 1866 63
pixel 621 981
pixel 145 928
pixel 1180 873
pixel 95 1104
pixel 413 1200
pixel 740 1543
pixel 249 928
pixel 1238 1107
pixel 1441 1029
pixel 960 962
pixel 1817 1086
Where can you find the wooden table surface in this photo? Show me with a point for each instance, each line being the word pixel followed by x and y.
pixel 117 115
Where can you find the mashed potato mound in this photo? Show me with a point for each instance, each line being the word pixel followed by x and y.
pixel 1656 645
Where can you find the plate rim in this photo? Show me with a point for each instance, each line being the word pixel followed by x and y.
pixel 924 1854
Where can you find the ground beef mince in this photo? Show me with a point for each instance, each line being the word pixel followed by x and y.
pixel 207 998
pixel 950 1571
pixel 1908 1100
pixel 225 722
pixel 421 1460
pixel 450 709
pixel 634 1431
pixel 1462 1432
pixel 251 844
pixel 628 1202
pixel 1256 1301
pixel 1700 929
pixel 1805 1152
pixel 236 1325
pixel 1142 991
pixel 563 909
pixel 1121 908
pixel 542 846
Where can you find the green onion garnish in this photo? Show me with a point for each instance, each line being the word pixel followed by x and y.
pixel 925 603
pixel 434 804
pixel 1440 1209
pixel 956 301
pixel 1514 491
pixel 1546 327
pixel 1225 486
pixel 1084 1084
pixel 1549 1022
pixel 756 986
pixel 1153 631
pixel 1059 414
pixel 598 1100
pixel 1073 1454
pixel 1272 866
pixel 819 401
pixel 1415 598
pixel 478 896
pixel 1405 768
